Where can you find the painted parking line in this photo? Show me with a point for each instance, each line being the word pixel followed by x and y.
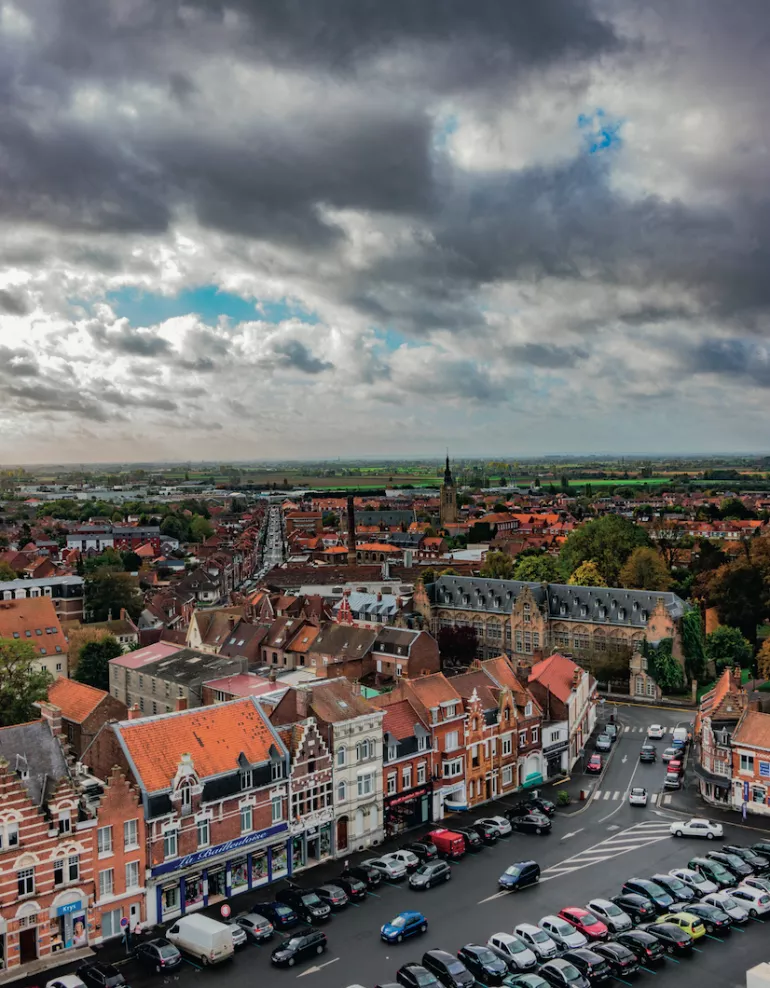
pixel 737 929
pixel 714 938
pixel 698 949
pixel 756 919
pixel 670 958
pixel 373 894
pixel 622 981
pixel 649 970
pixel 185 959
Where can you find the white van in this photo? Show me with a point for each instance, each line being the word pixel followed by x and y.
pixel 203 938
pixel 679 734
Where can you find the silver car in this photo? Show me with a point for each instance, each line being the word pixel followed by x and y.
pixel 388 867
pixel 611 915
pixel 565 935
pixel 729 905
pixel 513 951
pixel 537 940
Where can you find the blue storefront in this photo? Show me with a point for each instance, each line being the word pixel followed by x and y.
pixel 214 874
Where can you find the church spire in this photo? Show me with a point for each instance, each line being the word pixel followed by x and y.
pixel 448 482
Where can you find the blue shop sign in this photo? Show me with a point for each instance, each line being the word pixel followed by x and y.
pixel 179 864
pixel 71 907
pixel 764 770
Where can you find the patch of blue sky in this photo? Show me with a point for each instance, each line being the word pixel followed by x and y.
pixel 445 127
pixel 143 308
pixel 391 339
pixel 600 132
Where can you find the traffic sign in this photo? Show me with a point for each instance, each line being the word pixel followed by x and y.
pixel 124 922
pixel 225 911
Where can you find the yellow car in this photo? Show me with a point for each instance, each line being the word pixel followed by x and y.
pixel 687 922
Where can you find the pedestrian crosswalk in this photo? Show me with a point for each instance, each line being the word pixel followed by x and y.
pixel 632 839
pixel 629 729
pixel 610 795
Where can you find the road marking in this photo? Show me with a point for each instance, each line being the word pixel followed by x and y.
pixel 666 800
pixel 624 759
pixel 489 898
pixel 607 794
pixel 317 967
pixel 616 794
pixel 573 833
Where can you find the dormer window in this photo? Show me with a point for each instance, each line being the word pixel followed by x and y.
pixel 392 749
pixel 247 778
pixel 563 609
pixel 528 710
pixel 276 771
pixel 621 614
pixel 422 742
pixel 583 610
pixel 65 822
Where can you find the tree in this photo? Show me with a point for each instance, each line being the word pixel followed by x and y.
pixel 110 558
pixel 645 570
pixel 200 529
pixel 6 573
pixel 587 575
pixel 727 647
pixel 537 569
pixel 109 590
pixel 131 561
pixel 21 683
pixel 662 665
pixel 497 566
pixel 763 660
pixel 607 541
pixel 693 644
pixel 93 663
pixel 329 519
pixel 428 575
pixel 669 541
pixel 25 535
pixel 175 527
pixel 457 646
pixel 740 596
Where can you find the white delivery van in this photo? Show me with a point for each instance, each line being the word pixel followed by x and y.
pixel 206 939
pixel 679 734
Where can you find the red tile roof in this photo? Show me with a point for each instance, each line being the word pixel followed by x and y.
pixel 29 620
pixel 753 731
pixel 214 736
pixel 400 719
pixel 434 689
pixel 556 673
pixel 75 700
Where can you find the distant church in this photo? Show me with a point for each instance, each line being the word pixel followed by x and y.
pixel 448 508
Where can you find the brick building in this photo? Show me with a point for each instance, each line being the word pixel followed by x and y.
pixel 719 712
pixel 407 766
pixel 751 763
pixel 565 692
pixel 66 592
pixel 401 652
pixel 214 790
pixel 83 710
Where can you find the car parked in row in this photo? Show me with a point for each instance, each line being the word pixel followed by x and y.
pixel 714 918
pixel 650 890
pixel 354 888
pixel 675 887
pixel 561 974
pixel 424 850
pixel 298 945
pixel 638 907
pixel 487 967
pixel 513 950
pixel 408 859
pixel 565 934
pixel 594 764
pixel 448 969
pixel 488 833
pixel 613 917
pixel 473 843
pixel 673 939
pixel 98 975
pixel 371 877
pixel 647 949
pixel 695 880
pixel 415 976
pixel 589 925
pixel 429 874
pixel 537 940
pixel 759 863
pixel 714 871
pixel 531 823
pixel 689 922
pixel 734 864
pixel 728 905
pixel 590 964
pixel 388 866
pixel 278 914
pixel 305 903
pixel 754 900
pixel 159 955
pixel 622 962
pixel 603 743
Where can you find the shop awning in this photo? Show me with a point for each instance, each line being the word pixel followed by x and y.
pixel 720 781
pixel 455 806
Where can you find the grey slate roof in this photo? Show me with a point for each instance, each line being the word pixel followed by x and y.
pixel 366 604
pixel 600 605
pixel 32 747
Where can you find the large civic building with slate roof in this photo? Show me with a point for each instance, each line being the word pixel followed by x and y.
pixel 528 621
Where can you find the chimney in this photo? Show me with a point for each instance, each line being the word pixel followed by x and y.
pixel 272 675
pixel 52 714
pixel 351 531
pixel 577 675
pixel 303 703
pixel 133 712
pixel 181 703
pixel 379 597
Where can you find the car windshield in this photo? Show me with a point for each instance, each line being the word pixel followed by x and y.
pixel 697 879
pixel 311 899
pixel 486 956
pixel 654 888
pixel 515 946
pixel 282 910
pixel 424 869
pixel 589 920
pixel 423 977
pixel 455 967
pixel 675 884
pixel 728 901
pixel 563 928
pixel 398 922
pixel 612 910
pixel 638 792
pixel 514 871
pixel 540 936
pixel 168 951
pixel 570 972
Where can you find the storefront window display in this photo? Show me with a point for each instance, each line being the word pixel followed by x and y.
pixel 170 898
pixel 193 890
pixel 326 840
pixel 239 875
pixel 298 852
pixel 279 860
pixel 259 868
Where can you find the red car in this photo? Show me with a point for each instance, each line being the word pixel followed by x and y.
pixel 586 922
pixel 594 764
pixel 675 765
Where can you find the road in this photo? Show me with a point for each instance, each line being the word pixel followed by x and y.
pixel 588 854
pixel 273 546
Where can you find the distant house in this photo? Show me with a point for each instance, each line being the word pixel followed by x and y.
pixel 33 620
pixel 83 710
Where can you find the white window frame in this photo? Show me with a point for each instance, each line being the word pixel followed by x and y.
pixel 276 809
pixel 342 756
pixel 247 818
pixel 422 774
pixel 366 784
pixel 507 748
pixel 104 841
pixel 507 775
pixel 132 875
pixel 452 741
pixel 391 783
pixel 130 835
pixel 406 777
pixel 203 825
pixel 170 843
pixel 106 883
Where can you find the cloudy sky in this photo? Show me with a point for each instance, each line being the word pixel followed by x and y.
pixel 244 229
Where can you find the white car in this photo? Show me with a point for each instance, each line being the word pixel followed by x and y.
pixel 655 731
pixel 503 826
pixel 696 827
pixel 537 940
pixel 65 981
pixel 407 858
pixel 513 950
pixel 611 915
pixel 724 901
pixel 393 868
pixel 637 796
pixel 755 882
pixel 694 880
pixel 564 933
pixel 754 900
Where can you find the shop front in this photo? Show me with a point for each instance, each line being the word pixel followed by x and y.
pixel 312 846
pixel 216 873
pixel 449 799
pixel 556 758
pixel 407 810
pixel 69 921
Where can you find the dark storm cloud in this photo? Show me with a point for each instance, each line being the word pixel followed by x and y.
pixel 45 398
pixel 546 355
pixel 18 362
pixel 294 355
pixel 14 303
pixel 736 358
pixel 124 339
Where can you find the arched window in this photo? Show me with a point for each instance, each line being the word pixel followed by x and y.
pixel 342 792
pixel 342 756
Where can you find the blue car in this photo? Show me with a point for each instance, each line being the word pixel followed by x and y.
pixel 519 876
pixel 281 916
pixel 404 925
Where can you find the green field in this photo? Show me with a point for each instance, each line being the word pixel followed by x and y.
pixel 581 482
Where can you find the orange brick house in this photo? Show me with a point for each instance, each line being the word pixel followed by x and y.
pixel 407 769
pixel 214 785
pixel 751 763
pixel 84 709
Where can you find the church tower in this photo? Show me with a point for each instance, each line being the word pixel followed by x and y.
pixel 448 508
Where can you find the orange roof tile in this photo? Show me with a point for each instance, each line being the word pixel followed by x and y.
pixel 400 719
pixel 378 547
pixel 28 620
pixel 75 700
pixel 214 736
pixel 304 638
pixel 434 689
pixel 753 730
pixel 556 674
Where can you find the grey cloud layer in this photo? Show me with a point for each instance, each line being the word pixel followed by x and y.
pixel 310 146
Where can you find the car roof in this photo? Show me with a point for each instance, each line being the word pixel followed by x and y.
pixel 526 926
pixel 578 910
pixel 408 914
pixel 440 954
